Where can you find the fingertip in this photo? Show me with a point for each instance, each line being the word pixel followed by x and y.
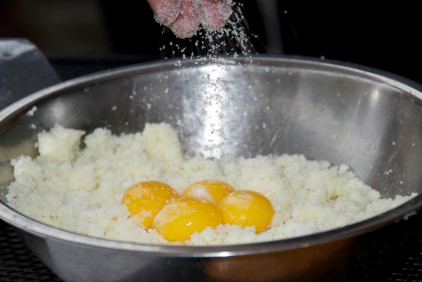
pixel 215 14
pixel 185 28
pixel 165 11
pixel 187 23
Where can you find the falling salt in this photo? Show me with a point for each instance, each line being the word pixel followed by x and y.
pixel 387 172
pixel 232 39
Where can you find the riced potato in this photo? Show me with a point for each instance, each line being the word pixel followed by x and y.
pixel 80 188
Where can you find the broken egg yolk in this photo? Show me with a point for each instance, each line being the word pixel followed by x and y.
pixel 209 190
pixel 185 216
pixel 146 199
pixel 247 208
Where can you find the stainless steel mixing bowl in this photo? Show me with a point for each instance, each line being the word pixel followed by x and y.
pixel 344 114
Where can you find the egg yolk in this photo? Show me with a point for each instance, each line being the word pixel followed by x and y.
pixel 146 199
pixel 209 190
pixel 185 216
pixel 247 208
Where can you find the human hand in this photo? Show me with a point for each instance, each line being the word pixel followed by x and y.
pixel 183 17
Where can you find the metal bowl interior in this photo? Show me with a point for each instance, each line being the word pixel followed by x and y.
pixel 345 114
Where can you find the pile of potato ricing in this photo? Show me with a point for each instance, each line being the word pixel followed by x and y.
pixel 206 203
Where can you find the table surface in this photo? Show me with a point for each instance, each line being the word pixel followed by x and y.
pixel 18 263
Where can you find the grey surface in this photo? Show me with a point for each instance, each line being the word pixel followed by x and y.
pixel 273 105
pixel 23 70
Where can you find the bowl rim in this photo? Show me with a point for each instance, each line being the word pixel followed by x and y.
pixel 27 225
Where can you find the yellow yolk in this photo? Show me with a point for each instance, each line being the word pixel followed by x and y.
pixel 185 216
pixel 247 208
pixel 146 199
pixel 209 190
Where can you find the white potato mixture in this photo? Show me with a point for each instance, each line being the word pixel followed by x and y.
pixel 80 188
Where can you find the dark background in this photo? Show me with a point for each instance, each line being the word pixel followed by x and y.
pixel 384 37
